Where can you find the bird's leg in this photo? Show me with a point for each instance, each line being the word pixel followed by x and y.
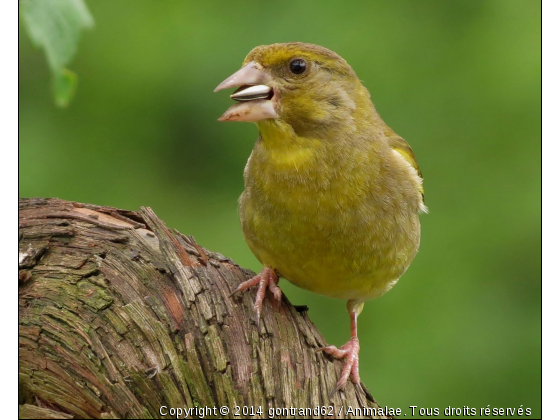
pixel 348 351
pixel 266 279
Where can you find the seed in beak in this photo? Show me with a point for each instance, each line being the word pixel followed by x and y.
pixel 252 93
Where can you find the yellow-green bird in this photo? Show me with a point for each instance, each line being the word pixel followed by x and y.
pixel 332 194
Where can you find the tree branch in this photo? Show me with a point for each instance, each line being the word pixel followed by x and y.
pixel 120 316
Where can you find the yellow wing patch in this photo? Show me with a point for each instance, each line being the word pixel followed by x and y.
pixel 399 145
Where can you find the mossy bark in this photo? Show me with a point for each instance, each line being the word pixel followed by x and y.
pixel 120 316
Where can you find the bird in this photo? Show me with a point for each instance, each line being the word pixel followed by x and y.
pixel 332 194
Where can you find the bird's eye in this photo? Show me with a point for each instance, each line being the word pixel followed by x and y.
pixel 298 66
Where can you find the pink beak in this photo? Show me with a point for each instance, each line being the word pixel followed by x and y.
pixel 256 103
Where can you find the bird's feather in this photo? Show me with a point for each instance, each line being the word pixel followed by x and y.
pixel 398 144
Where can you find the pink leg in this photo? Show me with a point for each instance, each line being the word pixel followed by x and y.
pixel 348 351
pixel 267 278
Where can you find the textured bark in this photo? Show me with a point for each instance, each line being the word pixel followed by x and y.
pixel 119 316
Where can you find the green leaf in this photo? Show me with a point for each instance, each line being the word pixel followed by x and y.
pixel 64 87
pixel 55 26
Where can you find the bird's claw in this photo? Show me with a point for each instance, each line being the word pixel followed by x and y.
pixel 349 352
pixel 266 279
pixel 246 285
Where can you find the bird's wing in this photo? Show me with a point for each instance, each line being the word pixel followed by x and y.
pixel 399 145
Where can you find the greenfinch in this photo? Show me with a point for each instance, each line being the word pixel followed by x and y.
pixel 332 195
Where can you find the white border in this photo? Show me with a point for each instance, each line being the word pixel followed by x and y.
pixel 8 172
pixel 550 207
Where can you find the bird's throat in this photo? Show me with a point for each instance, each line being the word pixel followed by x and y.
pixel 276 133
pixel 284 149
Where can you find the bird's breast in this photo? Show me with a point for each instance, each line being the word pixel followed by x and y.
pixel 326 226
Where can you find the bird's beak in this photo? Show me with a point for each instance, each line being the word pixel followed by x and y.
pixel 255 95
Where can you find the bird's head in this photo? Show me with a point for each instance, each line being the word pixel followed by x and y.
pixel 308 87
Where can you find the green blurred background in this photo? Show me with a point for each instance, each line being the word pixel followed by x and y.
pixel 460 81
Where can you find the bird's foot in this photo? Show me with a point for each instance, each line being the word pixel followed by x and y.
pixel 266 279
pixel 349 352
